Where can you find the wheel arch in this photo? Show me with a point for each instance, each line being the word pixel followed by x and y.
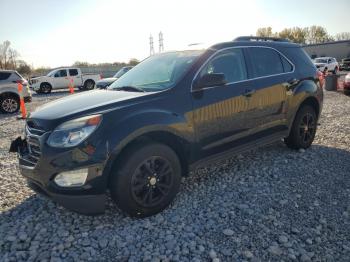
pixel 180 146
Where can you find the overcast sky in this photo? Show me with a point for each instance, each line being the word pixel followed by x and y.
pixel 55 33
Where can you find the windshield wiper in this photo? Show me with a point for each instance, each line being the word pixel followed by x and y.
pixel 129 88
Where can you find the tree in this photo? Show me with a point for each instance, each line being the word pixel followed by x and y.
pixel 4 54
pixel 23 68
pixel 133 62
pixel 264 32
pixel 317 34
pixel 342 36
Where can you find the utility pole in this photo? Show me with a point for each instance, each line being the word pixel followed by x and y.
pixel 151 47
pixel 161 44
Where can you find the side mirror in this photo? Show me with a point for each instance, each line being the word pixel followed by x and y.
pixel 209 80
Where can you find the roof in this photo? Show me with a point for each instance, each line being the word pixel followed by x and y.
pixel 254 43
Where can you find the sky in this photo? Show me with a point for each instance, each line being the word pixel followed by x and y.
pixel 53 33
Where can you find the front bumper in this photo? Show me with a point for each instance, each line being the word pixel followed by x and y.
pixel 39 164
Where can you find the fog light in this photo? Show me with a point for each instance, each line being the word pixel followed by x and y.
pixel 72 178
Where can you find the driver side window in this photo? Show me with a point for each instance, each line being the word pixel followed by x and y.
pixel 61 73
pixel 228 62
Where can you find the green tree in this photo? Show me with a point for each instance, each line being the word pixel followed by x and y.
pixel 133 61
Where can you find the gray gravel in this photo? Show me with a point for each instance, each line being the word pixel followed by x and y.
pixel 271 204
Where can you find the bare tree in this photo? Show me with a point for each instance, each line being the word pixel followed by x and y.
pixel 265 32
pixel 342 36
pixel 4 54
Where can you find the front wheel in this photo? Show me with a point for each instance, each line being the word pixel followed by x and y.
pixel 303 131
pixel 89 84
pixel 146 179
pixel 45 88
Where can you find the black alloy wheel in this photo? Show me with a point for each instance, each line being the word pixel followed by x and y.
pixel 152 181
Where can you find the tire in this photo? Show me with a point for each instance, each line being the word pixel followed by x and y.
pixel 146 179
pixel 45 88
pixel 303 130
pixel 9 104
pixel 89 84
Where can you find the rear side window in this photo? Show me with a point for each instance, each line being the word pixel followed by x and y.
pixel 265 62
pixel 230 63
pixel 4 75
pixel 287 67
pixel 73 72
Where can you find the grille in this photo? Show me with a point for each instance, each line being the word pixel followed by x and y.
pixel 33 146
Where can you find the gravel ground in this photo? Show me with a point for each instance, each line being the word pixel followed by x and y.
pixel 271 204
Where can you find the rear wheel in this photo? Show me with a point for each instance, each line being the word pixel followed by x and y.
pixel 9 104
pixel 45 88
pixel 146 179
pixel 89 84
pixel 303 131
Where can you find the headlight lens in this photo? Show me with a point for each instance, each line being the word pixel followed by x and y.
pixel 73 132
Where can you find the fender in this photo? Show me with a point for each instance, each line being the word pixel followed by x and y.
pixel 140 123
pixel 304 89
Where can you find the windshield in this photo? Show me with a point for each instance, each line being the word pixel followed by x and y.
pixel 320 60
pixel 51 73
pixel 158 72
pixel 121 72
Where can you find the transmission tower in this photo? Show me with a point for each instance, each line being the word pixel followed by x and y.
pixel 151 47
pixel 161 44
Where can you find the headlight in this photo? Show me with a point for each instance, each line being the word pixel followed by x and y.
pixel 73 132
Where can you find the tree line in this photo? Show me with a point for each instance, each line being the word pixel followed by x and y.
pixel 304 35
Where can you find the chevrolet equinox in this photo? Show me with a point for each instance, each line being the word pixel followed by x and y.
pixel 168 115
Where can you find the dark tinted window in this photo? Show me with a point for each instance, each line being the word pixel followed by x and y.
pixel 73 72
pixel 61 73
pixel 287 67
pixel 230 62
pixel 4 75
pixel 265 62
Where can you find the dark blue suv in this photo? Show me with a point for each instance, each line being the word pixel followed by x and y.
pixel 169 114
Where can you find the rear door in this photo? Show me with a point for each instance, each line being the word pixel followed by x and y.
pixel 271 78
pixel 60 79
pixel 74 77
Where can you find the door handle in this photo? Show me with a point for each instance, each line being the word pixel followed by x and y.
pixel 249 92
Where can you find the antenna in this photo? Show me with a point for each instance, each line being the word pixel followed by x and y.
pixel 161 44
pixel 151 47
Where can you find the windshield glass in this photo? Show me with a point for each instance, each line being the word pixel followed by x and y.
pixel 51 73
pixel 320 60
pixel 158 72
pixel 121 72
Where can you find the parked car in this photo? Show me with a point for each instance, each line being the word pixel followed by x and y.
pixel 327 64
pixel 171 113
pixel 9 95
pixel 105 82
pixel 61 78
pixel 345 64
pixel 347 84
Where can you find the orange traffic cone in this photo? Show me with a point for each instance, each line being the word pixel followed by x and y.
pixel 21 102
pixel 71 86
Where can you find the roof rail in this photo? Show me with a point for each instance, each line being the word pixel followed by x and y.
pixel 258 38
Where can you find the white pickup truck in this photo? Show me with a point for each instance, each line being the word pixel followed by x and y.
pixel 61 78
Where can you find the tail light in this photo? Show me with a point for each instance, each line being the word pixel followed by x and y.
pixel 22 81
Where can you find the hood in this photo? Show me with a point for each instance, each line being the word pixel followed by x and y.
pixel 108 80
pixel 319 64
pixel 91 101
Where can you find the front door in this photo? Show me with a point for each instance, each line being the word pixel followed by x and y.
pixel 221 113
pixel 60 79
